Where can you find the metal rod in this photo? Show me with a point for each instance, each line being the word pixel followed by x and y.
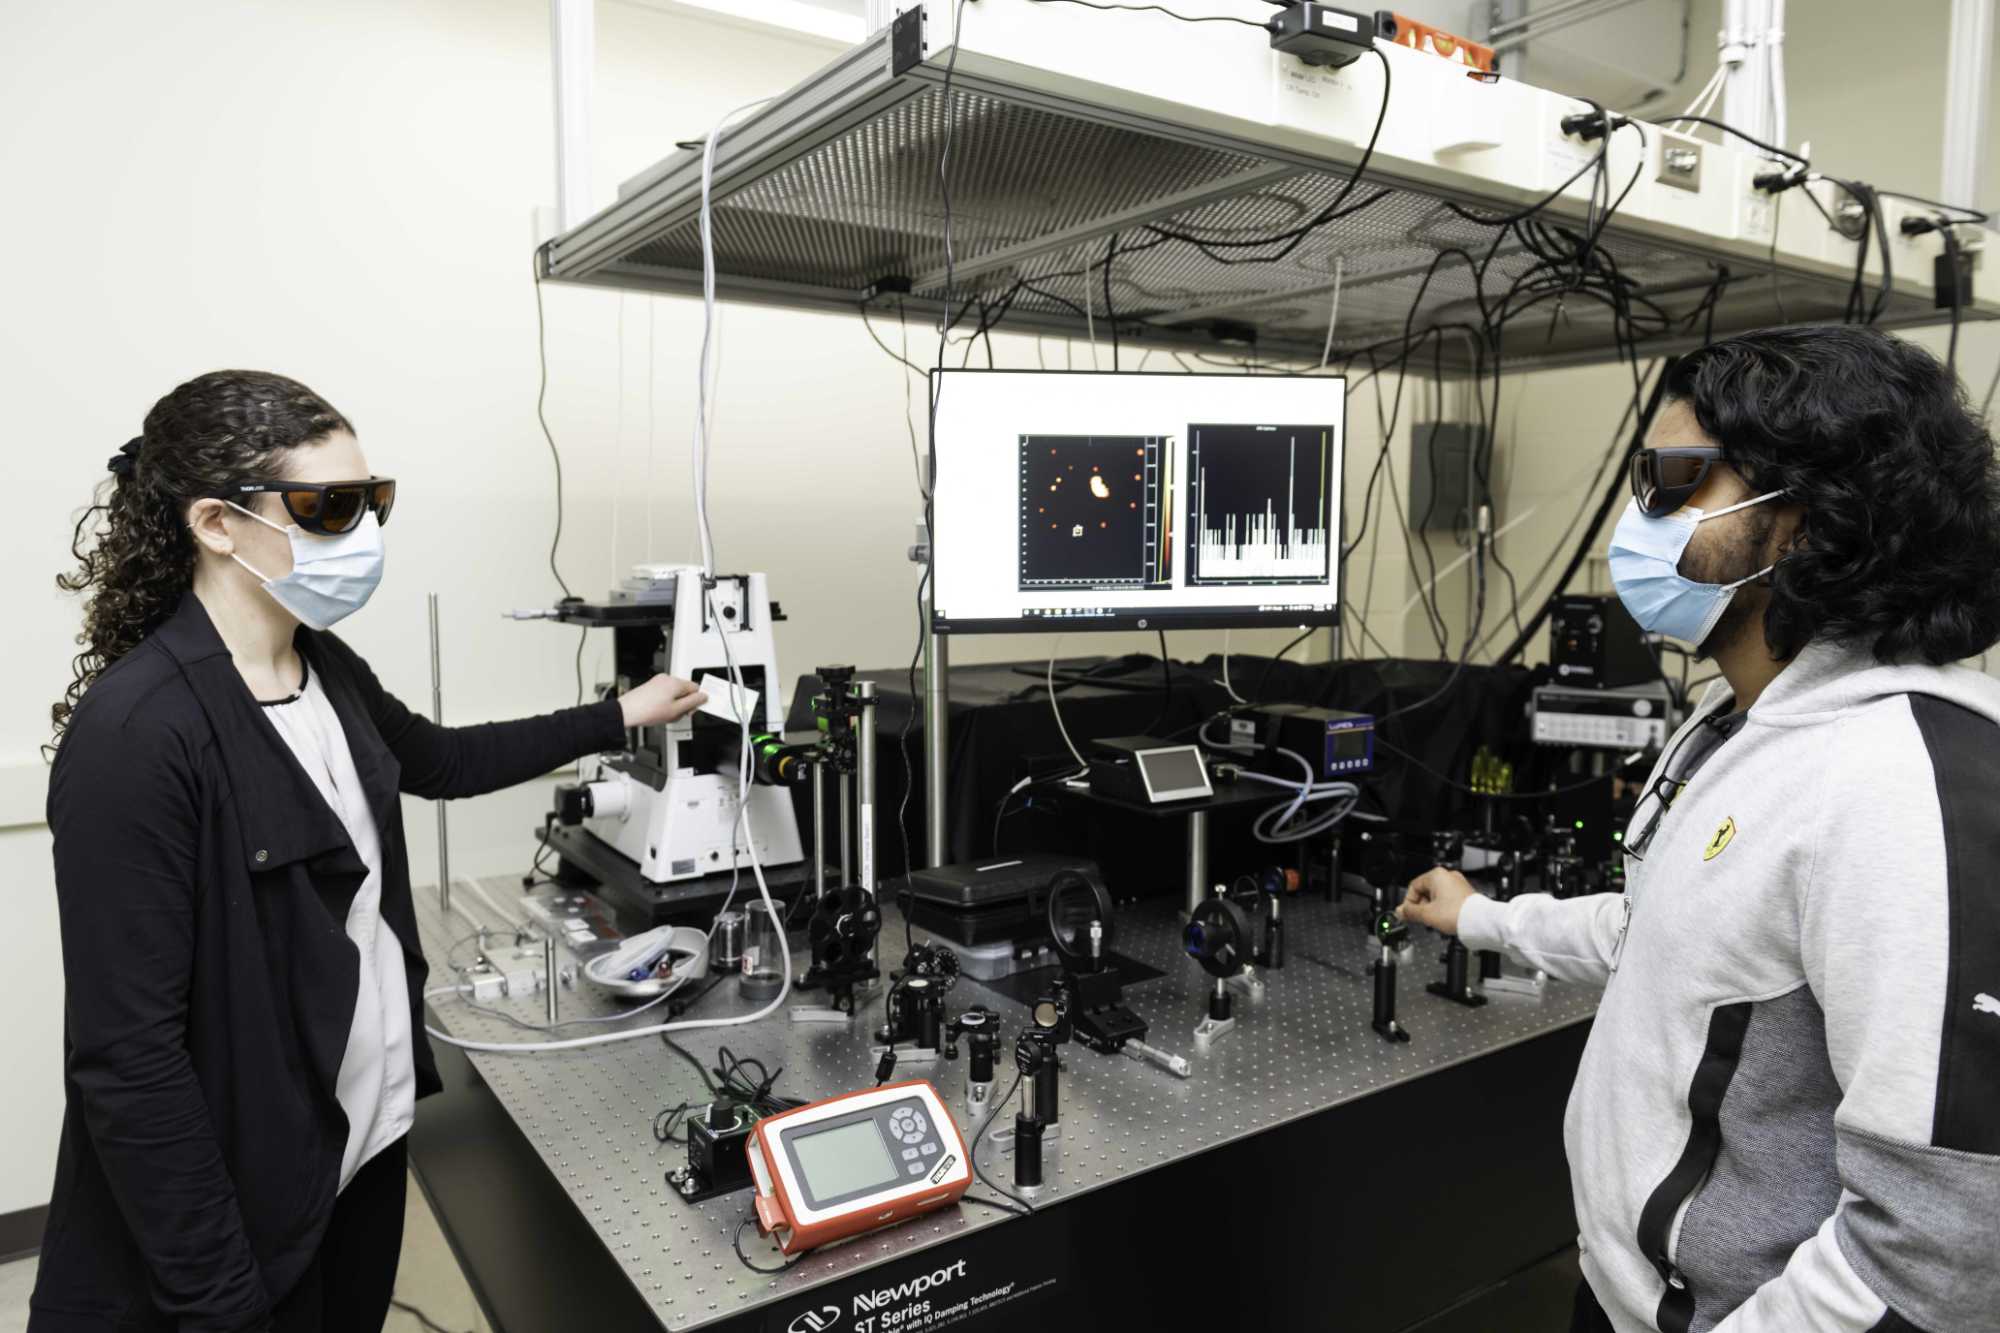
pixel 819 831
pixel 1197 859
pixel 846 786
pixel 937 709
pixel 1548 20
pixel 549 976
pixel 865 781
pixel 437 716
pixel 1166 1060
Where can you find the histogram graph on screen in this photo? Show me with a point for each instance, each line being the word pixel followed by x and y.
pixel 1257 504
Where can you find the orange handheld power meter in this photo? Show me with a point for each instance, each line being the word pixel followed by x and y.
pixel 855 1162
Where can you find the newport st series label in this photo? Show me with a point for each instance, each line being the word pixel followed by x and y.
pixel 974 1284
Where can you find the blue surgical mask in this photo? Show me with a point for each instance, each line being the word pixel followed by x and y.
pixel 332 577
pixel 1645 569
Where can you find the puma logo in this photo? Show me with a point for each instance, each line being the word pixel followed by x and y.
pixel 1983 1003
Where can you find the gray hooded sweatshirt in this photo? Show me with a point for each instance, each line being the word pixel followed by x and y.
pixel 1787 1117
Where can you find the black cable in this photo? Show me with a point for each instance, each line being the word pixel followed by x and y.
pixel 928 491
pixel 1292 238
pixel 1166 686
pixel 541 398
pixel 991 1203
pixel 396 1302
pixel 1456 785
pixel 1970 215
pixel 888 350
pixel 736 1244
pixel 999 1104
pixel 1951 257
pixel 1777 297
pixel 1729 129
pixel 1110 315
pixel 1465 651
pixel 1184 18
pixel 1513 588
pixel 1257 695
pixel 737 1081
pixel 1619 483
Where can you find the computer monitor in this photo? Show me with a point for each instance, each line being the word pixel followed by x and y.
pixel 1080 500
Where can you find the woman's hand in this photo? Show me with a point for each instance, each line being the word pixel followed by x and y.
pixel 1434 898
pixel 660 700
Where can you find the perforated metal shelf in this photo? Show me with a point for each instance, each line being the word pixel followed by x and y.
pixel 830 195
pixel 1308 1046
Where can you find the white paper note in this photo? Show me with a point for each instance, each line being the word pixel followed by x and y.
pixel 722 697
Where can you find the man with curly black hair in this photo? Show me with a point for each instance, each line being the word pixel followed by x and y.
pixel 1787 1116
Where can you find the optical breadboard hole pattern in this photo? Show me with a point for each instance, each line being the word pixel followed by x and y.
pixel 1308 1046
pixel 866 204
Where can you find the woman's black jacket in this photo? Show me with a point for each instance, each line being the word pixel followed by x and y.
pixel 203 885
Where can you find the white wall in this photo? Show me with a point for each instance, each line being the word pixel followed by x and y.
pixel 343 192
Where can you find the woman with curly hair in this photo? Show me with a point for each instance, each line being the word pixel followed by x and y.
pixel 244 1044
pixel 1788 1112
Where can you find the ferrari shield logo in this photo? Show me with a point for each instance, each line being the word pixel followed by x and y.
pixel 1720 840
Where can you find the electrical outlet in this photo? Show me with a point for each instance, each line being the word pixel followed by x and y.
pixel 1679 162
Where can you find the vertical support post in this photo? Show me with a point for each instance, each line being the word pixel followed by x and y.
pixel 846 786
pixel 1968 93
pixel 819 831
pixel 572 48
pixel 864 782
pixel 549 976
pixel 437 716
pixel 937 710
pixel 1197 860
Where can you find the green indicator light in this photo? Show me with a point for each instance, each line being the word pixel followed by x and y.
pixel 1579 823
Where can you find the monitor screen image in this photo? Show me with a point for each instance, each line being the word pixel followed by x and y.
pixel 1131 501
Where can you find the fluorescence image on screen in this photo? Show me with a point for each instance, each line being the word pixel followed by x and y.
pixel 1257 504
pixel 1090 512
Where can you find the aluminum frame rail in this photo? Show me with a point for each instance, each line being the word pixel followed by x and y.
pixel 1073 131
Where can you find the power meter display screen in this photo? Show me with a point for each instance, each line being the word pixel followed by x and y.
pixel 844 1160
pixel 1175 771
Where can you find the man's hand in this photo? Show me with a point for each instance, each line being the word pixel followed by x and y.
pixel 1434 898
pixel 662 699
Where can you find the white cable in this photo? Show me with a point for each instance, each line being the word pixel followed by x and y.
pixel 701 415
pixel 1214 744
pixel 702 433
pixel 1707 93
pixel 505 1017
pixel 1227 687
pixel 1333 315
pixel 473 887
pixel 653 1029
pixel 1430 588
pixel 1054 708
pixel 618 442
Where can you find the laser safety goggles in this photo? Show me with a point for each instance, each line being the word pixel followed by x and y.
pixel 1664 479
pixel 328 508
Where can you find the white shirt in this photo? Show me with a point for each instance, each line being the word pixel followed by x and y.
pixel 377 1087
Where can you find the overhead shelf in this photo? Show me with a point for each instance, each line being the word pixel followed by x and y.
pixel 1071 127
